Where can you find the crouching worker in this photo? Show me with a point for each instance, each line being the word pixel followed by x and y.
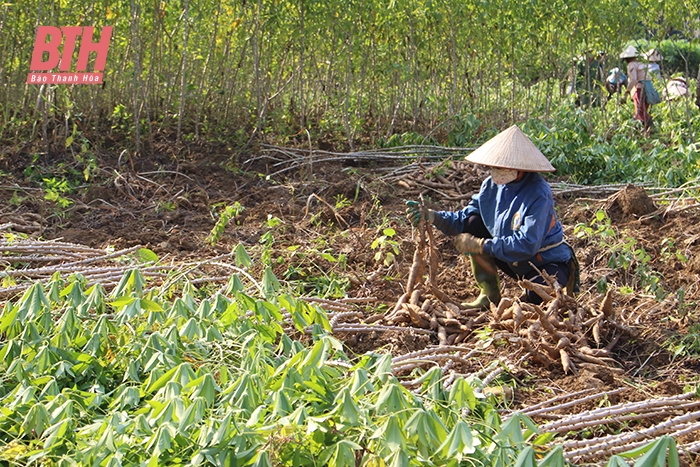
pixel 510 224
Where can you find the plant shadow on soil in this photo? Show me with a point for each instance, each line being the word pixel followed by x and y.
pixel 169 204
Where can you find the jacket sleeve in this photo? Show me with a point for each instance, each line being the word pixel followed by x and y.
pixel 525 242
pixel 453 222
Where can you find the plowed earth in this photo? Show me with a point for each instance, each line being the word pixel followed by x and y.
pixel 171 203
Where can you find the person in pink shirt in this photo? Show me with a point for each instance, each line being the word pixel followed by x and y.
pixel 636 77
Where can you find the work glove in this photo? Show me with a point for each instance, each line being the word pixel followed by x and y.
pixel 417 211
pixel 469 244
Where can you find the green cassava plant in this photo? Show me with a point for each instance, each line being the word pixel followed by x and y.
pixel 225 215
pixel 139 375
pixel 386 247
pixel 625 256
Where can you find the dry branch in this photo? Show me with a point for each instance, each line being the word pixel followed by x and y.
pixel 549 408
pixel 378 327
pixel 658 406
pixel 614 444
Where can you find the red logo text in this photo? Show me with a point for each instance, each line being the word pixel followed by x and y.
pixel 47 55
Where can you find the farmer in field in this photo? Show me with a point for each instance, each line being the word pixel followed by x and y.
pixel 653 68
pixel 587 72
pixel 615 82
pixel 510 224
pixel 636 79
pixel 675 88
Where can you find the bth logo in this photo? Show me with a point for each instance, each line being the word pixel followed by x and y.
pixel 47 56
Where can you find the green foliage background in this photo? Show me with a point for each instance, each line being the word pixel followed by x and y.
pixel 347 71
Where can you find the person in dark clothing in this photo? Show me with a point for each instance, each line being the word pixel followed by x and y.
pixel 510 224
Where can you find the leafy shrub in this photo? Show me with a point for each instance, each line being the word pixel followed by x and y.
pixel 585 145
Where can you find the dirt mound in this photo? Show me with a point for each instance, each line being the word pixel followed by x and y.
pixel 630 203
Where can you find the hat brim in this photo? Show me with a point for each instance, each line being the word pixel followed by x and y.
pixel 511 149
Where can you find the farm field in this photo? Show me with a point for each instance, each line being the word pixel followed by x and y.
pixel 206 258
pixel 334 233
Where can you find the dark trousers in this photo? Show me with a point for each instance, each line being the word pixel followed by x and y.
pixel 562 271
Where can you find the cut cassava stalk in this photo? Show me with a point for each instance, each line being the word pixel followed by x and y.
pixel 434 351
pixel 548 406
pixel 376 327
pixel 430 359
pixel 661 405
pixel 613 444
pixel 617 419
pixel 531 410
pixel 335 318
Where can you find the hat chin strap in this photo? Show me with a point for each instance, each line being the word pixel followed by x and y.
pixel 503 176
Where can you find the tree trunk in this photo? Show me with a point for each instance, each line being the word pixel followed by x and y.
pixel 697 89
pixel 212 47
pixel 137 72
pixel 348 81
pixel 255 40
pixel 183 77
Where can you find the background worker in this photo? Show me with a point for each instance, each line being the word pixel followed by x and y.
pixel 615 82
pixel 636 77
pixel 511 223
pixel 653 68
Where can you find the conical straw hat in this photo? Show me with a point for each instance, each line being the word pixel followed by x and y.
pixel 511 149
pixel 629 52
pixel 653 56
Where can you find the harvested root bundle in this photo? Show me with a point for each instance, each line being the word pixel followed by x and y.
pixel 560 330
pixel 424 305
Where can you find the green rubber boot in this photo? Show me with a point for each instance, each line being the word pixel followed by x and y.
pixel 487 281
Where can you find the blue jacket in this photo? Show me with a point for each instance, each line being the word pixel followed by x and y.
pixel 521 219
